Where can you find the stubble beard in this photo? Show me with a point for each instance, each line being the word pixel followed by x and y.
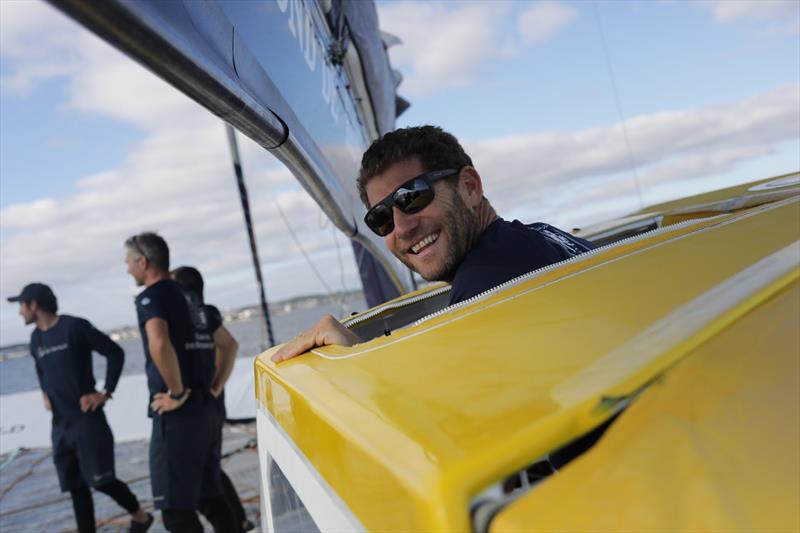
pixel 460 225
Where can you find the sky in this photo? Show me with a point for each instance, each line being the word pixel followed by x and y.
pixel 94 148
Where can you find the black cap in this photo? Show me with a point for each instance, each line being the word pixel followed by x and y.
pixel 37 291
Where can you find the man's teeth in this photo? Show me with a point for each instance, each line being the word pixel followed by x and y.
pixel 424 242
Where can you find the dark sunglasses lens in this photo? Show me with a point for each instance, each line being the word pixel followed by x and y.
pixel 379 219
pixel 413 197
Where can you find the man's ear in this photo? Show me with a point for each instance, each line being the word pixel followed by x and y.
pixel 470 186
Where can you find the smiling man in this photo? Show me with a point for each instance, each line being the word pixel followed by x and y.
pixel 425 198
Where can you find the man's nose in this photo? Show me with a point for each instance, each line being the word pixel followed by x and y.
pixel 404 225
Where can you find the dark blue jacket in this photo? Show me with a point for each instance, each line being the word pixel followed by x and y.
pixel 63 358
pixel 506 250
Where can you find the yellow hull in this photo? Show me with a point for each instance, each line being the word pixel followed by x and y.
pixel 687 337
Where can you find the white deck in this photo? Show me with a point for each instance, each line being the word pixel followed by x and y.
pixel 25 423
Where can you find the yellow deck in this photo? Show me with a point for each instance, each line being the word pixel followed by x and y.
pixel 713 446
pixel 407 428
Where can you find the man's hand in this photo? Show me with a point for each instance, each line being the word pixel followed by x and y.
pixel 327 331
pixel 93 400
pixel 215 392
pixel 47 402
pixel 163 403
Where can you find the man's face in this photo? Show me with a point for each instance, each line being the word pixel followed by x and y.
pixel 434 241
pixel 27 313
pixel 136 267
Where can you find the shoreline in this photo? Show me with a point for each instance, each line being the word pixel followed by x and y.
pixel 248 312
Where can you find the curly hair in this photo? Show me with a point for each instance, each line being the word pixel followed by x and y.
pixel 435 148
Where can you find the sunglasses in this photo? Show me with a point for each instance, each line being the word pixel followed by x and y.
pixel 411 197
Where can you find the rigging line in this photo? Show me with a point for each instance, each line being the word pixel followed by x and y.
pixel 322 220
pixel 302 251
pixel 341 272
pixel 250 445
pixel 607 57
pixel 22 476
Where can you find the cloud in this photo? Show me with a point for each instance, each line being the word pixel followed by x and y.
pixel 449 44
pixel 177 180
pixel 34 34
pixel 668 147
pixel 543 20
pixel 444 45
pixel 727 11
pixel 39 44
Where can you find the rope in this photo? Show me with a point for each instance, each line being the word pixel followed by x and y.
pixel 23 475
pixel 11 457
pixel 302 251
pixel 618 102
pixel 251 444
pixel 341 273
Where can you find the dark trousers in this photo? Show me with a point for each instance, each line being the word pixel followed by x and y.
pixel 212 509
pixel 233 499
pixel 215 509
pixel 83 504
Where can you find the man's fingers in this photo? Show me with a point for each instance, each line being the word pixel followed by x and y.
pixel 162 403
pixel 327 331
pixel 87 403
pixel 300 344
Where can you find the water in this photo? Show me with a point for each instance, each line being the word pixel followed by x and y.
pixel 18 375
pixel 30 499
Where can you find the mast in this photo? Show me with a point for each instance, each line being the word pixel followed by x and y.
pixel 248 222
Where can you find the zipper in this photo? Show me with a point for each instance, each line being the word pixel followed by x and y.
pixel 350 323
pixel 580 257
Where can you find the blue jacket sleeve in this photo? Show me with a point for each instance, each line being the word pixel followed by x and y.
pixel 113 352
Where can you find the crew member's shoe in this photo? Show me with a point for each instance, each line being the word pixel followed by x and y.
pixel 141 527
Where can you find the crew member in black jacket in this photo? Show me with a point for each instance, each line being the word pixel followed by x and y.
pixel 179 363
pixel 225 357
pixel 83 446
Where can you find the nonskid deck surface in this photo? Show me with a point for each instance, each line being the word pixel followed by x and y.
pixel 30 499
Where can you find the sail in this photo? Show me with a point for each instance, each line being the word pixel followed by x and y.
pixel 309 81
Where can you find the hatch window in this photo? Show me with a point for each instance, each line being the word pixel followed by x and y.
pixel 289 514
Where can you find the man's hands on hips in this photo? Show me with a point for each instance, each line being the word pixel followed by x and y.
pixel 164 403
pixel 93 400
pixel 327 331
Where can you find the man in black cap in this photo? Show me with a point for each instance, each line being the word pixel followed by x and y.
pixel 179 363
pixel 83 446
